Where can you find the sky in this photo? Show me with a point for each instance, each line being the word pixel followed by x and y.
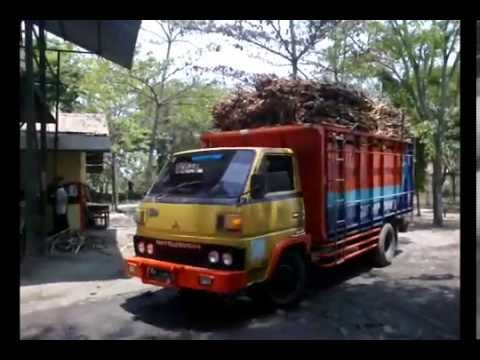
pixel 227 55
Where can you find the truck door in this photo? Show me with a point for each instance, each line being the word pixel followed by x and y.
pixel 281 210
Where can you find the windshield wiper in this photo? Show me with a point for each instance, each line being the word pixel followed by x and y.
pixel 178 186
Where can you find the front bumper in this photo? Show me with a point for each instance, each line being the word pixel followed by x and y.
pixel 185 276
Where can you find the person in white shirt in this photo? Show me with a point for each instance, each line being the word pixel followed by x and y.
pixel 61 204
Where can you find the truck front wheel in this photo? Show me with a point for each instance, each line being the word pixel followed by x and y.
pixel 287 285
pixel 387 246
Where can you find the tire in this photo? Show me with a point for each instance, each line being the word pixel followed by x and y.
pixel 387 246
pixel 402 225
pixel 287 285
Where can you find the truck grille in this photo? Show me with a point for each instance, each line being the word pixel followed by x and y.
pixel 193 254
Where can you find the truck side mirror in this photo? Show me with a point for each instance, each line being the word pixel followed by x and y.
pixel 258 186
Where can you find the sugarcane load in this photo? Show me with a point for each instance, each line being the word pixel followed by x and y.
pixel 276 101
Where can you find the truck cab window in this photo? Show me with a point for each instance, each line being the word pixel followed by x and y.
pixel 279 172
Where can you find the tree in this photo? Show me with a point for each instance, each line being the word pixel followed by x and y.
pixel 334 62
pixel 129 106
pixel 291 40
pixel 189 117
pixel 421 58
pixel 101 93
pixel 70 75
pixel 150 77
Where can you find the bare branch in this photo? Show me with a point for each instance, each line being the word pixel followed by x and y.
pixel 251 41
pixel 165 31
pixel 153 33
pixel 238 32
pixel 148 85
pixel 454 65
pixel 454 37
pixel 301 72
pixel 280 37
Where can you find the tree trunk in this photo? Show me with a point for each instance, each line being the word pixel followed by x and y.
pixel 151 148
pixel 437 187
pixel 153 138
pixel 454 188
pixel 114 183
pixel 417 195
pixel 439 138
pixel 294 59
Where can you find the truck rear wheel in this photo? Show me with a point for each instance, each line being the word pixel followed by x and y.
pixel 387 246
pixel 287 285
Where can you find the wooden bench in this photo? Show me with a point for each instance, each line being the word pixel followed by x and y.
pixel 98 212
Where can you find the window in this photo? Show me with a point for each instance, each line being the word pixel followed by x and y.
pixel 279 172
pixel 207 174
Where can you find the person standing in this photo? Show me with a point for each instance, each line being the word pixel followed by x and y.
pixel 61 203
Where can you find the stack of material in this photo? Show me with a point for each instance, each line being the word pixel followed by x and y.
pixel 282 101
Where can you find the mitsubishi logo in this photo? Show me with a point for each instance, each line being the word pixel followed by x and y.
pixel 175 225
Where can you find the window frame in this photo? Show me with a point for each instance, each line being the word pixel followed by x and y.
pixel 294 178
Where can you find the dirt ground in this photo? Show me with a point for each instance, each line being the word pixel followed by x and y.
pixel 87 296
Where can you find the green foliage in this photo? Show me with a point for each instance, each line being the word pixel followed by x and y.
pixel 407 59
pixel 188 118
pixel 130 107
pixel 70 76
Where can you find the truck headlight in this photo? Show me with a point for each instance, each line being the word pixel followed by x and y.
pixel 213 256
pixel 141 247
pixel 227 258
pixel 150 249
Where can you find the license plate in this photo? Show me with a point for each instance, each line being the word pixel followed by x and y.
pixel 160 275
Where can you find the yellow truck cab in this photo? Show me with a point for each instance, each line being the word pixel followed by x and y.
pixel 210 224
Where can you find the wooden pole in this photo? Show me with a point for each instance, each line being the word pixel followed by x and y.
pixel 57 102
pixel 30 198
pixel 114 183
pixel 43 132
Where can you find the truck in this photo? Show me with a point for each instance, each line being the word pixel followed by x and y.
pixel 253 209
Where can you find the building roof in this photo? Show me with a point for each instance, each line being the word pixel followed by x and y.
pixel 113 40
pixel 82 123
pixel 73 142
pixel 76 131
pixel 79 123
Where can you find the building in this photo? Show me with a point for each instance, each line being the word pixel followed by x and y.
pixel 111 39
pixel 82 141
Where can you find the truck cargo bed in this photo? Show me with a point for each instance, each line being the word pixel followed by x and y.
pixel 351 181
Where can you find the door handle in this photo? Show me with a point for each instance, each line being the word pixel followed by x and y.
pixel 295 215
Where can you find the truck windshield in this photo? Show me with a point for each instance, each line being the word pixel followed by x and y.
pixel 204 174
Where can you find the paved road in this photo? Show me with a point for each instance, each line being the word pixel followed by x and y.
pixel 415 298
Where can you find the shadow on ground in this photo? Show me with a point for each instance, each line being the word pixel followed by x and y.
pixel 371 308
pixel 425 222
pixel 87 265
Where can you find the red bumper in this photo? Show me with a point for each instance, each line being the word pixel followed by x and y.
pixel 184 276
